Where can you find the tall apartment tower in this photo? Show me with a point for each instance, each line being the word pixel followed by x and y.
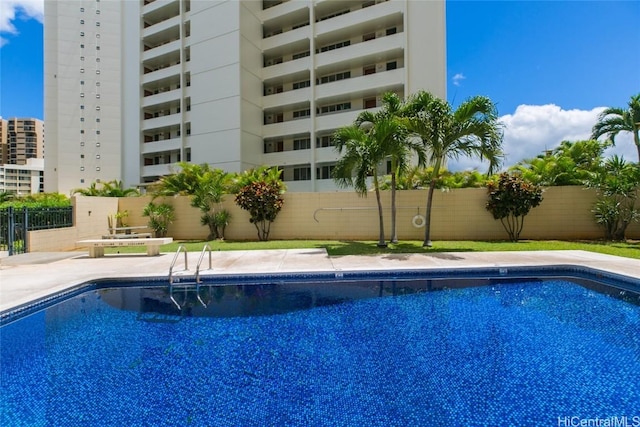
pixel 21 139
pixel 235 84
pixel 83 73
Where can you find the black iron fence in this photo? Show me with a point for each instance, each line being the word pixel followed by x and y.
pixel 14 224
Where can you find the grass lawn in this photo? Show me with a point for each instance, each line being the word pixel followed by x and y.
pixel 337 248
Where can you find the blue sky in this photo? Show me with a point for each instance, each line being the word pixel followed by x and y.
pixel 550 66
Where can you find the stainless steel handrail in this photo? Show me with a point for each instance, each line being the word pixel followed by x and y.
pixel 198 280
pixel 173 263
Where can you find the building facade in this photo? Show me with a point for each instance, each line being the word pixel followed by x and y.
pixel 21 139
pixel 21 179
pixel 235 84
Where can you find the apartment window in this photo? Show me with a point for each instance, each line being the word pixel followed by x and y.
pixel 81 168
pixel 82 21
pixel 301 113
pixel 335 46
pixel 82 119
pixel 300 55
pixel 370 69
pixel 368 3
pixel 302 144
pixel 369 36
pixel 391 31
pixel 335 107
pixel 324 141
pixel 98 120
pixel 97 24
pixel 81 143
pixel 82 58
pixel 324 172
pixel 81 131
pixel 97 156
pixel 97 59
pixel 334 77
pixel 82 107
pixel 97 168
pixel 392 65
pixel 97 108
pixel 82 156
pixel 302 174
pixel 81 33
pixel 97 11
pixel 273 146
pixel 97 95
pixel 369 103
pixel 300 85
pixel 81 94
pixel 97 144
pixel 97 83
pixel 81 180
pixel 97 36
pixel 97 132
pixel 97 71
pixel 82 70
pixel 97 47
pixel 82 9
pixel 81 46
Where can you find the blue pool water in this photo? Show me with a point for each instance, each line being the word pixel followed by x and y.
pixel 507 354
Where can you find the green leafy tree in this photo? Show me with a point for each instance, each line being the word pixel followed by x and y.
pixel 261 196
pixel 614 120
pixel 160 217
pixel 510 200
pixel 569 164
pixel 206 187
pixel 113 188
pixel 617 183
pixel 395 144
pixel 38 200
pixel 471 130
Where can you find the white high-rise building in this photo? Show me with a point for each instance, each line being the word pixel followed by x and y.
pixel 235 84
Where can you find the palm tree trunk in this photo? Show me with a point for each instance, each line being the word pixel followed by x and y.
pixel 381 242
pixel 394 227
pixel 636 140
pixel 427 216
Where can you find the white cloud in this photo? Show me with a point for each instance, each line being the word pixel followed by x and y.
pixel 10 10
pixel 532 129
pixel 458 78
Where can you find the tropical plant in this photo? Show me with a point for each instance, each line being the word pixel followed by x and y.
pixel 617 183
pixel 510 200
pixel 217 223
pixel 394 145
pixel 472 129
pixel 362 151
pixel 614 120
pixel 38 200
pixel 263 201
pixel 569 164
pixel 206 187
pixel 160 217
pixel 113 188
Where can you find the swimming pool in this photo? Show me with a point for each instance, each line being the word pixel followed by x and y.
pixel 488 347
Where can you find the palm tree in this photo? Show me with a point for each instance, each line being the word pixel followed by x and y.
pixel 113 188
pixel 396 145
pixel 614 120
pixel 362 154
pixel 471 130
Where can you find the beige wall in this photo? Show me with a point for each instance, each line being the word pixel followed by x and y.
pixel 565 214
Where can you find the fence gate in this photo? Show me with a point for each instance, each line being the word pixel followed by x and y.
pixel 14 224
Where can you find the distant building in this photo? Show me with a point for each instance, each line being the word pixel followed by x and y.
pixel 22 179
pixel 132 88
pixel 21 139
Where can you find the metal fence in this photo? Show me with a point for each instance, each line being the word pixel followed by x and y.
pixel 14 224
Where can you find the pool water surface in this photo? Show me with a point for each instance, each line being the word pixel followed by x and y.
pixel 520 353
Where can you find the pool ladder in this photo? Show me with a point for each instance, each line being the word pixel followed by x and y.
pixel 184 285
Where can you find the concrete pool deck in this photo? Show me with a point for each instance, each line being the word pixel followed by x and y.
pixel 27 277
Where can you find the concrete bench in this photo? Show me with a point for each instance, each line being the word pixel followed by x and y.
pixel 127 236
pixel 96 246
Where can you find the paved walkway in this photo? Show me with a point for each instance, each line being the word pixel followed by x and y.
pixel 26 277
